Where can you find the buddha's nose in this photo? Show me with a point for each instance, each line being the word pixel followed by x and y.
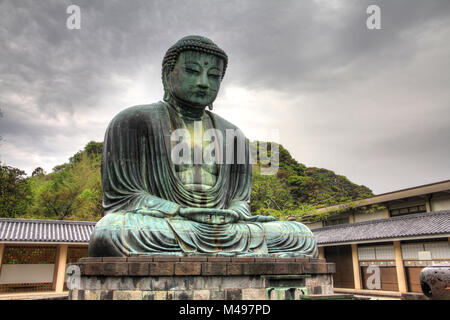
pixel 202 81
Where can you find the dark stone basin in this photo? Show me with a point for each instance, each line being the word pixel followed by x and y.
pixel 435 281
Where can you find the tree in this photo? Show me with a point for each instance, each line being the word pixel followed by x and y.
pixel 60 167
pixel 87 175
pixel 57 197
pixel 304 189
pixel 15 192
pixel 73 191
pixel 297 190
pixel 94 149
pixel 38 172
pixel 269 192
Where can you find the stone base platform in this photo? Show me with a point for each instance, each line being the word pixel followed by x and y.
pixel 199 278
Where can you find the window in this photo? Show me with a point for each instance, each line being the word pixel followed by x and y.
pixel 408 210
pixel 438 250
pixel 366 253
pixel 385 252
pixel 334 222
pixel 410 251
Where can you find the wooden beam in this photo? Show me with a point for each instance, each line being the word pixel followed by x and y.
pixel 356 268
pixel 401 277
pixel 59 272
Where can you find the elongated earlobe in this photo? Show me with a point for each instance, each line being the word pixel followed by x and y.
pixel 166 95
pixel 166 88
pixel 210 107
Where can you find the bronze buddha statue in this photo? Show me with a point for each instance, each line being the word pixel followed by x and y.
pixel 157 205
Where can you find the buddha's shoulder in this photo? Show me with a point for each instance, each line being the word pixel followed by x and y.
pixel 140 112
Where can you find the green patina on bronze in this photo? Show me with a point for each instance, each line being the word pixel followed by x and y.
pixel 154 206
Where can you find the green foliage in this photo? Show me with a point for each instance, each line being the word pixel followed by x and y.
pixel 269 192
pixel 303 211
pixel 324 188
pixel 38 171
pixel 73 190
pixel 296 191
pixel 15 192
pixel 57 198
pixel 289 164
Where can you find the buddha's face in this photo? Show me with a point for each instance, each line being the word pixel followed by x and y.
pixel 196 77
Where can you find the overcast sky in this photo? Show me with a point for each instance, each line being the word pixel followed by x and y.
pixel 372 105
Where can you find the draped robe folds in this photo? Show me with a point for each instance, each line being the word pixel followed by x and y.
pixel 143 195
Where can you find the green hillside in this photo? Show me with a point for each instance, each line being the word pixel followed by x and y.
pixel 73 191
pixel 297 191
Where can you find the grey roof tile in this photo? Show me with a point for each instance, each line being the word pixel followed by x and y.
pixel 420 224
pixel 36 230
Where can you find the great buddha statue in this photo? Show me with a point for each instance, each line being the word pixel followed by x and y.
pixel 154 205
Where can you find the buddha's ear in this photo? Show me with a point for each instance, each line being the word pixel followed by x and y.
pixel 165 79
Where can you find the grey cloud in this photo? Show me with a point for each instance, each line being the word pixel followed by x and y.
pixel 295 48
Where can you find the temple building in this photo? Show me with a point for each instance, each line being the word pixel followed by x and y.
pixel 381 243
pixel 34 253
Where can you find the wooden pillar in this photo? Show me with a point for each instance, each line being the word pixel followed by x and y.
pixel 60 268
pixel 2 249
pixel 428 205
pixel 351 218
pixel 356 268
pixel 322 252
pixel 401 277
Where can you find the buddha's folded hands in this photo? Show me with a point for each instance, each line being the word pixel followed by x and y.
pixel 243 209
pixel 260 218
pixel 156 207
pixel 210 215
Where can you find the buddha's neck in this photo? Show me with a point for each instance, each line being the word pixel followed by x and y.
pixel 188 112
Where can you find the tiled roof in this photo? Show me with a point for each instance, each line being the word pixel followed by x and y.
pixel 34 230
pixel 420 224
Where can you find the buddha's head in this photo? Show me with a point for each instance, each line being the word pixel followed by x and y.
pixel 192 71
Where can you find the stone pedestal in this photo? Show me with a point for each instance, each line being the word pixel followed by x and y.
pixel 199 278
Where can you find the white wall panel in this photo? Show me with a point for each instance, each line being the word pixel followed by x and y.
pixel 366 253
pixel 385 252
pixel 379 214
pixel 26 273
pixel 314 225
pixel 411 250
pixel 440 203
pixel 439 250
